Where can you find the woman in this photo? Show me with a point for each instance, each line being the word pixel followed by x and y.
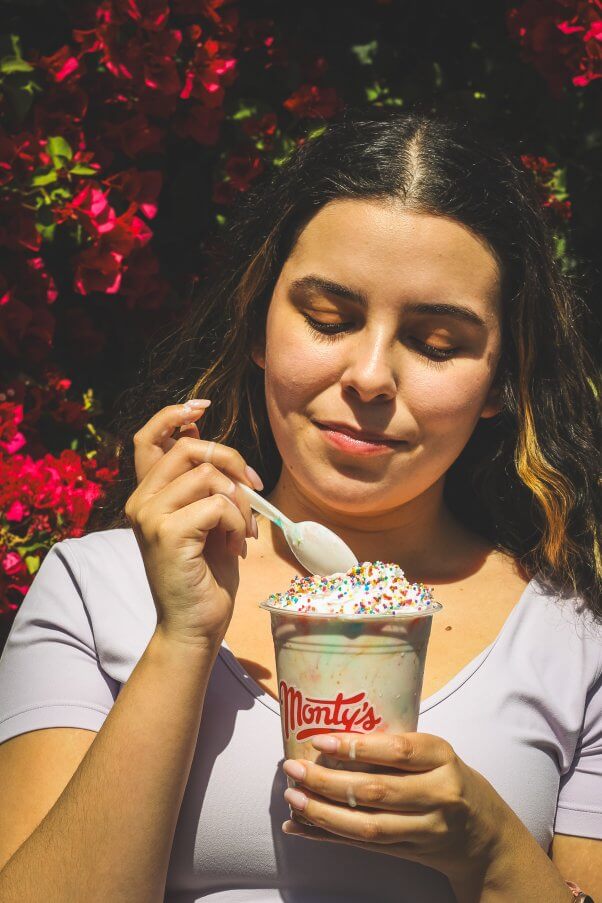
pixel 393 281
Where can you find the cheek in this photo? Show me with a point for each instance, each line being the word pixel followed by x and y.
pixel 447 396
pixel 296 368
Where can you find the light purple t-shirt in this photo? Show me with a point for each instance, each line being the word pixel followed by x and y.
pixel 526 713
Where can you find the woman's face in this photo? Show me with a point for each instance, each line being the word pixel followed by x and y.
pixel 413 304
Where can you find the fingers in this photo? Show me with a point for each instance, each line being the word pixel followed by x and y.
pixel 154 438
pixel 406 752
pixel 360 825
pixel 202 481
pixel 188 453
pixel 406 793
pixel 197 520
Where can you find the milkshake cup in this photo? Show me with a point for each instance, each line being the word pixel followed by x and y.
pixel 350 653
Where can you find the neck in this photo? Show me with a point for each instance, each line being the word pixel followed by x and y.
pixel 422 536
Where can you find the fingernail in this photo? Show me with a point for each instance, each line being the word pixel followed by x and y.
pixel 199 402
pixel 254 477
pixel 294 769
pixel 295 798
pixel 326 744
pixel 243 553
pixel 254 526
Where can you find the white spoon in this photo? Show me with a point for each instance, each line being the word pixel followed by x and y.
pixel 317 548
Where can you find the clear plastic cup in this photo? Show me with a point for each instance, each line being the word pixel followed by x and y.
pixel 357 673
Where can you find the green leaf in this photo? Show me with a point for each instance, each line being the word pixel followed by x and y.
pixel 10 65
pixel 245 111
pixel 221 219
pixel 47 232
pixel 74 445
pixel 44 178
pixel 315 133
pixel 59 150
pixel 80 170
pixel 33 563
pixel 365 53
pixel 60 194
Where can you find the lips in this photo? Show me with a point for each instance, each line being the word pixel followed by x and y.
pixel 356 434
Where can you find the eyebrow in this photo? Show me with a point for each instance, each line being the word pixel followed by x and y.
pixel 319 283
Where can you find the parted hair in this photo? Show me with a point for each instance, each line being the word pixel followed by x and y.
pixel 528 478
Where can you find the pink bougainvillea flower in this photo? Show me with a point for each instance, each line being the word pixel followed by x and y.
pixel 242 168
pixel 313 102
pixel 16 512
pixel 60 64
pixel 97 270
pixel 91 208
pixel 150 14
pixel 143 285
pixel 142 187
pixel 559 48
pixel 13 565
pixel 18 226
pixel 11 416
pixel 134 135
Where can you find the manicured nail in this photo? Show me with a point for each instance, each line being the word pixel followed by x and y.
pixel 294 769
pixel 254 477
pixel 295 798
pixel 198 403
pixel 326 744
pixel 254 526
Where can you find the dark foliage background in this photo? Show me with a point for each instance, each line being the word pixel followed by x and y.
pixel 128 127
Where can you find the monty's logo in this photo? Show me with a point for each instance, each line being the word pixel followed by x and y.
pixel 309 717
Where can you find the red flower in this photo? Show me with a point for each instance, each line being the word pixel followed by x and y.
pixel 141 187
pixel 92 209
pixel 559 47
pixel 134 135
pixel 14 565
pixel 150 14
pixel 312 102
pixel 143 286
pixel 242 169
pixel 18 226
pixel 97 270
pixel 60 64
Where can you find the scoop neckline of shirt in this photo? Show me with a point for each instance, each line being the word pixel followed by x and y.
pixel 258 692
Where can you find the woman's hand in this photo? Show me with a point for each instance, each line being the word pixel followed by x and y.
pixel 429 806
pixel 191 523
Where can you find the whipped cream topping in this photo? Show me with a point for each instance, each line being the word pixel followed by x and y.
pixel 369 588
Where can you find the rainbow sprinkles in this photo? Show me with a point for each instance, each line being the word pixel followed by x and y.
pixel 369 588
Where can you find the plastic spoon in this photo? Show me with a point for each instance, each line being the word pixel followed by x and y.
pixel 317 548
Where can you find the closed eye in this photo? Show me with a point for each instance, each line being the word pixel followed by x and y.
pixel 332 331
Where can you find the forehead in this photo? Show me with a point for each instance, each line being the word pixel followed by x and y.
pixel 389 251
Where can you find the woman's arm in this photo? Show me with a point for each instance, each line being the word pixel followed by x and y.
pixel 109 835
pixel 579 859
pixel 520 870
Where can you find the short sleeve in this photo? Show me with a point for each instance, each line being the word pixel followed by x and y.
pixel 50 675
pixel 579 810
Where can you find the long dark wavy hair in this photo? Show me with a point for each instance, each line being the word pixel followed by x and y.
pixel 527 479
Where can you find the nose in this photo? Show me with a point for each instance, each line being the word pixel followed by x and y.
pixel 370 371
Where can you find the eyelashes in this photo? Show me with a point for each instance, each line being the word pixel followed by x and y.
pixel 330 332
